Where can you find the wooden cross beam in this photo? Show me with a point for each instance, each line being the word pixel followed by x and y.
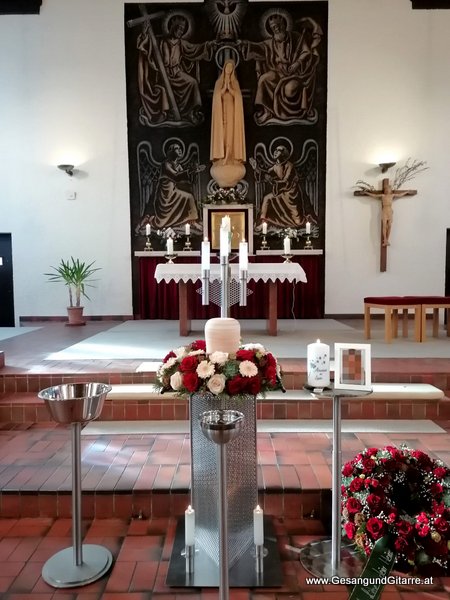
pixel 387 196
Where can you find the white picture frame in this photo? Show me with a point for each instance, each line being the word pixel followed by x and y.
pixel 352 367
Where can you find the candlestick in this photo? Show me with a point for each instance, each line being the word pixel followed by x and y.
pixel 318 365
pixel 287 245
pixel 258 526
pixel 189 526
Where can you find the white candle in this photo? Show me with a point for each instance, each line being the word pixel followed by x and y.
pixel 243 256
pixel 225 230
pixel 308 227
pixel 169 245
pixel 187 229
pixel 206 251
pixel 318 364
pixel 189 526
pixel 148 229
pixel 287 245
pixel 258 526
pixel 264 228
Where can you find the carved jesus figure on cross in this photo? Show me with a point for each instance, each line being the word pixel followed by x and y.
pixel 387 196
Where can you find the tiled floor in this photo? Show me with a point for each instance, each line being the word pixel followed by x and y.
pixel 37 457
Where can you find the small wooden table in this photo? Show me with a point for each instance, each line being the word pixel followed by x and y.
pixel 270 273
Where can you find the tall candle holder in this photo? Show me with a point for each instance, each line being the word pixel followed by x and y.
pixel 287 257
pixel 187 244
pixel 170 258
pixel 264 244
pixel 148 244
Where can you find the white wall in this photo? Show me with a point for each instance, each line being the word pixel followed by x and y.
pixel 62 98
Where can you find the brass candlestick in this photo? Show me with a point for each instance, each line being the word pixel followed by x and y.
pixel 264 244
pixel 148 244
pixel 187 245
pixel 287 257
pixel 170 258
pixel 308 243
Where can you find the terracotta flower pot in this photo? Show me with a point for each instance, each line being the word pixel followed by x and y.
pixel 75 315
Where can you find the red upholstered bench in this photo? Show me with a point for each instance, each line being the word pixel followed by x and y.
pixel 391 305
pixel 434 303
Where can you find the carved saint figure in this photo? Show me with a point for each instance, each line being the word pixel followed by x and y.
pixel 286 63
pixel 227 129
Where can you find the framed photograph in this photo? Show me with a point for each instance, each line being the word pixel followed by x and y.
pixel 352 367
pixel 241 218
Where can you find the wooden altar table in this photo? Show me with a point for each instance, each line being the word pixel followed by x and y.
pixel 269 273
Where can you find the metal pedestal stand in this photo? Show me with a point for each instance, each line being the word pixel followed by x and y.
pixel 80 564
pixel 222 426
pixel 324 558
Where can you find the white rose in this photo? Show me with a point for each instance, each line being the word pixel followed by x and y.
pixel 176 381
pixel 256 347
pixel 205 369
pixel 180 352
pixel 195 352
pixel 248 369
pixel 171 361
pixel 216 384
pixel 219 358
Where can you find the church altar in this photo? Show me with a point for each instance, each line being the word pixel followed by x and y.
pixel 269 273
pixel 294 300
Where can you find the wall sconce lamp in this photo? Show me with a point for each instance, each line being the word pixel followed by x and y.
pixel 385 166
pixel 67 168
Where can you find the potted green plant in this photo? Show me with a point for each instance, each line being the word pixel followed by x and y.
pixel 76 275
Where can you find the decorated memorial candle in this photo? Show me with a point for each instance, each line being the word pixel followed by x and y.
pixel 287 245
pixel 243 256
pixel 187 229
pixel 258 526
pixel 318 364
pixel 308 228
pixel 169 245
pixel 222 334
pixel 148 229
pixel 189 526
pixel 206 251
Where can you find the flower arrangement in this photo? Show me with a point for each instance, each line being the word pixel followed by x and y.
pixel 224 196
pixel 402 493
pixel 189 369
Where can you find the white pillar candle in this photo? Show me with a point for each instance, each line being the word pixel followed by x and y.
pixel 308 227
pixel 258 526
pixel 264 228
pixel 287 245
pixel 206 251
pixel 189 526
pixel 187 229
pixel 243 256
pixel 169 245
pixel 148 229
pixel 318 364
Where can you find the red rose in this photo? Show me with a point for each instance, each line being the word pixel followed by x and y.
pixel 350 530
pixel 373 483
pixel 371 452
pixel 353 506
pixel 199 345
pixel 368 465
pixel 441 525
pixel 189 363
pixel 271 361
pixel 235 385
pixel 422 530
pixel 245 355
pixel 271 374
pixel 401 545
pixel 356 484
pixel 436 488
pixel 375 527
pixel 375 503
pixel 190 381
pixel 404 528
pixel 347 470
pixel 252 385
pixel 170 355
pixel 440 472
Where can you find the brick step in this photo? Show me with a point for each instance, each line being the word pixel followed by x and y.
pixel 143 402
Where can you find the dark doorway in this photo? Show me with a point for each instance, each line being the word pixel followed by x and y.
pixel 6 282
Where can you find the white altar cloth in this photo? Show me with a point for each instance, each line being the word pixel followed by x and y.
pixel 256 271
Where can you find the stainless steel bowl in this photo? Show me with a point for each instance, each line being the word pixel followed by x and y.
pixel 75 402
pixel 221 426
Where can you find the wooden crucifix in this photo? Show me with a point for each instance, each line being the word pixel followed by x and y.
pixel 387 196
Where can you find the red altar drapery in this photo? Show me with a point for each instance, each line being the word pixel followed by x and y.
pixel 299 300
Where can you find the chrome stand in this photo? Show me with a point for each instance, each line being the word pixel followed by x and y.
pixel 220 427
pixel 243 277
pixel 205 286
pixel 225 287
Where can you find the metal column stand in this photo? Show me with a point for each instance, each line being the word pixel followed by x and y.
pixel 326 558
pixel 225 286
pixel 74 404
pixel 220 427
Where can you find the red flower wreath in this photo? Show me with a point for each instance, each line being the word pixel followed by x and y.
pixel 402 493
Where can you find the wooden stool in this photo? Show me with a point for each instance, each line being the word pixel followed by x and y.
pixel 435 303
pixel 391 305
